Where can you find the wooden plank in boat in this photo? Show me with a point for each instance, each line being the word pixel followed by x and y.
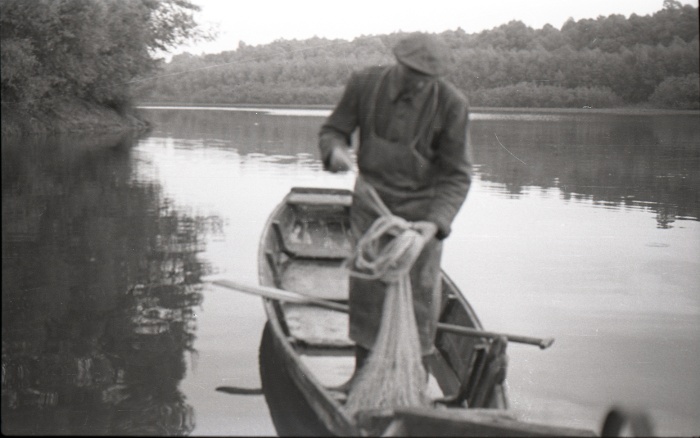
pixel 319 198
pixel 328 410
pixel 314 278
pixel 471 422
pixel 330 371
pixel 316 326
pixel 313 252
pixel 302 249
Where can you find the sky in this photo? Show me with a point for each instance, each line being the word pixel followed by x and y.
pixel 258 22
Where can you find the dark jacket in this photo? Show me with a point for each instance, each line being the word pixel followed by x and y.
pixel 434 120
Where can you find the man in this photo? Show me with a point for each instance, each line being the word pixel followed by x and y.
pixel 413 150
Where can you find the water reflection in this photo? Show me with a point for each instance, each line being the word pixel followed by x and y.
pixel 649 162
pixel 100 279
pixel 558 240
pixel 247 131
pixel 620 161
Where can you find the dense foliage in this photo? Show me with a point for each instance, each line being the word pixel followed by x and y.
pixel 99 50
pixel 603 62
pixel 86 49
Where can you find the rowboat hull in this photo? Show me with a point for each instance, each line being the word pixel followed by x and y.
pixel 302 248
pixel 301 253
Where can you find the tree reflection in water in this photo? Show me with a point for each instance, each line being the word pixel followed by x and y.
pixel 615 161
pixel 100 283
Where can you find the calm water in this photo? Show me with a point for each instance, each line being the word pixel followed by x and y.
pixel 584 227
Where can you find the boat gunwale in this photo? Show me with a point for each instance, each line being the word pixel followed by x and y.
pixel 344 422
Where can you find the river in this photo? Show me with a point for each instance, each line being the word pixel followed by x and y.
pixel 582 226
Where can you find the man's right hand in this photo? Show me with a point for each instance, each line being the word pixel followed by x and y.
pixel 340 160
pixel 427 229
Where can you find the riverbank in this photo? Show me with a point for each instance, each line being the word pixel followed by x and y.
pixel 70 115
pixel 81 116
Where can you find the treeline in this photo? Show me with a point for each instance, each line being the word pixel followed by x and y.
pixel 104 52
pixel 84 49
pixel 605 62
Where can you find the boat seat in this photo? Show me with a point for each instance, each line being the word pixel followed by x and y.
pixel 307 250
pixel 310 198
pixel 318 279
pixel 316 327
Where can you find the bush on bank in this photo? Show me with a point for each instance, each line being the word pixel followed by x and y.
pixel 678 93
pixel 58 51
pixel 532 95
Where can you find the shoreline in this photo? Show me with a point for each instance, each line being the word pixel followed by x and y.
pixel 80 116
pixel 621 110
pixel 71 116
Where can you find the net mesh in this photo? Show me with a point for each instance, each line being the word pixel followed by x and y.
pixel 394 375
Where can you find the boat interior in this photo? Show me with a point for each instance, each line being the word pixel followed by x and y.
pixel 305 251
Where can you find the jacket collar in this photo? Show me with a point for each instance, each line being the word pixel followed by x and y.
pixel 394 83
pixel 395 86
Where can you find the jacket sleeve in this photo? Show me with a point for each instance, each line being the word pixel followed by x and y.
pixel 454 160
pixel 338 128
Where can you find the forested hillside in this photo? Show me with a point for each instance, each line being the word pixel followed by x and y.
pixel 605 62
pixel 82 53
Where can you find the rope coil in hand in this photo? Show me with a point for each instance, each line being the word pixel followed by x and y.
pixel 387 261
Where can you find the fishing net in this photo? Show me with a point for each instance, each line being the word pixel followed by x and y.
pixel 393 375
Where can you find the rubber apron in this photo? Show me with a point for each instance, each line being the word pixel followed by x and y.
pixel 402 177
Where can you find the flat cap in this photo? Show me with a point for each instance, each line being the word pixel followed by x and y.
pixel 423 52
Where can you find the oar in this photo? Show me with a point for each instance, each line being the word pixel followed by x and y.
pixel 280 294
pixel 295 297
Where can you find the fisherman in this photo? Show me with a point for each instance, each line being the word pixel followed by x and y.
pixel 414 151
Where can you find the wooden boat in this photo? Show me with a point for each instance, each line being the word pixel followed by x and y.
pixel 305 351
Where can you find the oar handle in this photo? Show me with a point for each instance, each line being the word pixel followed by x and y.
pixel 280 294
pixel 468 331
pixel 295 297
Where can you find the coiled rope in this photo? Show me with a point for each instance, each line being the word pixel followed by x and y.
pixel 394 375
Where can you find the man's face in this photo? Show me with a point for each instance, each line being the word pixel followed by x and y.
pixel 413 80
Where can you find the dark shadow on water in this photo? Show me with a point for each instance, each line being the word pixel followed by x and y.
pixel 100 278
pixel 289 410
pixel 240 391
